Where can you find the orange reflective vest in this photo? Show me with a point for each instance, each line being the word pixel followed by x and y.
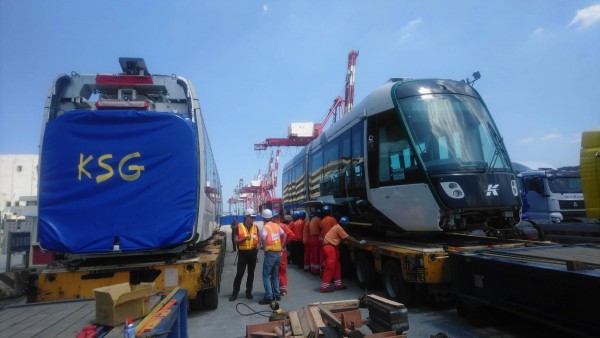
pixel 273 239
pixel 251 243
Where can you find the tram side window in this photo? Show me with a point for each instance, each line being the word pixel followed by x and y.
pixel 316 171
pixel 358 181
pixel 330 181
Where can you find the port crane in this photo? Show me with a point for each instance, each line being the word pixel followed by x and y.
pixel 339 107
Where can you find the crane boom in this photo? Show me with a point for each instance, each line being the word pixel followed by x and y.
pixel 350 77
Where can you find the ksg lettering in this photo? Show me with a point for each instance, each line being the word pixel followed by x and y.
pixel 105 162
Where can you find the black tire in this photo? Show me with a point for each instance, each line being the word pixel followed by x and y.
pixel 394 285
pixel 210 298
pixel 365 271
pixel 195 304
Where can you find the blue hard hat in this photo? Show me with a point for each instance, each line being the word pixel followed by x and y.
pixel 326 208
pixel 344 221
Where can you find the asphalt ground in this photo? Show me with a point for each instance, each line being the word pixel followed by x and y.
pixel 231 318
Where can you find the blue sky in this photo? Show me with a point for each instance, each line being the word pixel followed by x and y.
pixel 259 65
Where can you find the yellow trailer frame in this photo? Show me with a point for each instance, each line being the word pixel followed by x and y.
pixel 200 274
pixel 412 269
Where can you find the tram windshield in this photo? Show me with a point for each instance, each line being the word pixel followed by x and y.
pixel 453 133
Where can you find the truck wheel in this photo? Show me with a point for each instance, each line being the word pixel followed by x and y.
pixel 365 271
pixel 394 285
pixel 210 298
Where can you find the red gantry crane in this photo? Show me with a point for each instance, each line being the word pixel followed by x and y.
pixel 300 134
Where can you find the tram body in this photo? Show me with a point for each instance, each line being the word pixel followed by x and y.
pixel 415 156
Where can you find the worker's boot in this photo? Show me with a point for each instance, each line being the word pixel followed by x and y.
pixel 249 295
pixel 233 297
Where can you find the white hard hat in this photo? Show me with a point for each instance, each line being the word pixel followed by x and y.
pixel 250 212
pixel 267 214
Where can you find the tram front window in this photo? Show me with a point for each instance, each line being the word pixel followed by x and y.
pixel 453 133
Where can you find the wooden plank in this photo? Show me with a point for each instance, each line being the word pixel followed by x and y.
pixel 304 322
pixel 338 304
pixel 314 311
pixel 261 334
pixel 295 324
pixel 385 301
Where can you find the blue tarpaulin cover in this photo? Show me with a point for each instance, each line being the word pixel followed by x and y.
pixel 120 176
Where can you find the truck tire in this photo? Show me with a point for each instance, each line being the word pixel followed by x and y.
pixel 210 298
pixel 394 285
pixel 365 271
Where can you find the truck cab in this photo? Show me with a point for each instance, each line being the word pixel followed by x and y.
pixel 551 196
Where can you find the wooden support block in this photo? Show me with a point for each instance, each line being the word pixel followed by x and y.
pixel 330 318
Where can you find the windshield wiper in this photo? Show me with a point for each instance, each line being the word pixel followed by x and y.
pixel 498 144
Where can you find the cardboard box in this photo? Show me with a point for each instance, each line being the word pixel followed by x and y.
pixel 116 303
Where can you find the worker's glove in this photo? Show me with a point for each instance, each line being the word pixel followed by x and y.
pixel 362 241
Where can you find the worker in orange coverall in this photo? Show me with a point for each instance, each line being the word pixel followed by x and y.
pixel 331 252
pixel 296 246
pixel 283 265
pixel 306 243
pixel 327 223
pixel 314 229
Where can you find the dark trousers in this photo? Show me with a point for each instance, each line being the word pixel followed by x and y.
pixel 297 253
pixel 233 243
pixel 246 258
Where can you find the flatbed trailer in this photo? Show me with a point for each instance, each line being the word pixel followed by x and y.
pixel 558 285
pixel 414 269
pixel 199 272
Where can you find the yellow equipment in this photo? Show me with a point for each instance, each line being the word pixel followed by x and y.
pixel 590 171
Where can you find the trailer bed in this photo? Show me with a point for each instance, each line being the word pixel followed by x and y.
pixel 52 319
pixel 555 284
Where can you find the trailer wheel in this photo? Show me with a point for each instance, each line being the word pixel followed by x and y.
pixel 394 285
pixel 365 271
pixel 195 304
pixel 210 298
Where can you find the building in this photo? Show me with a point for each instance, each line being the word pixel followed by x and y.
pixel 18 194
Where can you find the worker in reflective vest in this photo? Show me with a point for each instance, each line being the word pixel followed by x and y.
pixel 247 241
pixel 331 253
pixel 272 240
pixel 284 254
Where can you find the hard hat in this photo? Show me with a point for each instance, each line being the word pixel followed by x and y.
pixel 267 214
pixel 250 212
pixel 344 221
pixel 326 208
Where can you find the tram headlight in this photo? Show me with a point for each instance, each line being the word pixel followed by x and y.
pixel 513 186
pixel 453 190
